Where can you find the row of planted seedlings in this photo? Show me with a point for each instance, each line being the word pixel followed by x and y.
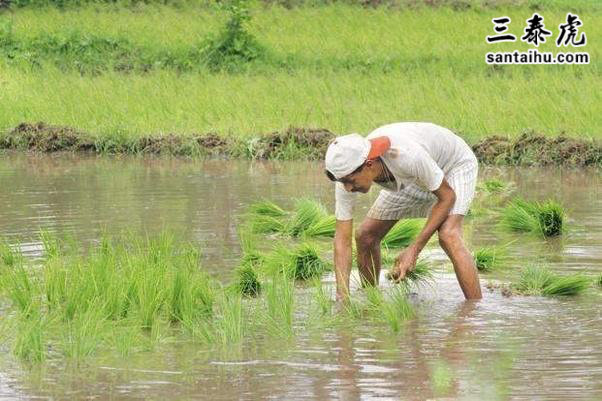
pixel 542 219
pixel 296 244
pixel 131 293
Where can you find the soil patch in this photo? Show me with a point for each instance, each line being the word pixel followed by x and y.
pixel 529 149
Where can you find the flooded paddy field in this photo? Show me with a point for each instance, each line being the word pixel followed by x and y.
pixel 498 348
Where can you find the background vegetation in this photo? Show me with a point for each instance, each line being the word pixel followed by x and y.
pixel 242 69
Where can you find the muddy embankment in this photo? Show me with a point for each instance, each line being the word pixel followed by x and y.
pixel 528 149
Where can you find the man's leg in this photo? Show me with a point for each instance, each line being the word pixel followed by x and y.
pixel 367 240
pixel 450 238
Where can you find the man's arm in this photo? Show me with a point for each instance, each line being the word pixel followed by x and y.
pixel 343 257
pixel 446 197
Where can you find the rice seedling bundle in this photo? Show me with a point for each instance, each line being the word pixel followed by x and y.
pixel 264 224
pixel 267 208
pixel 494 186
pixel 247 281
pixel 301 262
pixel 421 273
pixel 546 218
pixel 307 213
pixel 540 281
pixel 403 233
pixel 325 227
pixel 488 259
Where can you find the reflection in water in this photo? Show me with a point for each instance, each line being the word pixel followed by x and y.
pixel 497 348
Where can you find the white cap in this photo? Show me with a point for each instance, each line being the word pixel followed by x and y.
pixel 346 153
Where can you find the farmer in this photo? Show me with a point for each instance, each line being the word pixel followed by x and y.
pixel 424 169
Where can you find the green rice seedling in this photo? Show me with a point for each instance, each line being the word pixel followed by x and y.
pixel 320 299
pixel 551 218
pixel 301 262
pixel 392 307
pixel 599 280
pixel 403 233
pixel 9 256
pixel 82 335
pixel 50 243
pixel 567 285
pixel 306 263
pixel 263 224
pixel 422 273
pixel 22 290
pixel 247 281
pixel 488 258
pixel 267 208
pixel 228 326
pixel 535 280
pixel 279 305
pixel 495 186
pixel 30 340
pixel 544 218
pixel 324 227
pixel 307 213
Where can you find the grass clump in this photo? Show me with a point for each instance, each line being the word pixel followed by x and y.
pixel 234 46
pixel 403 233
pixel 536 280
pixel 545 218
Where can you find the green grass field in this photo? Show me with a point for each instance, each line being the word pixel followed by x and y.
pixel 341 67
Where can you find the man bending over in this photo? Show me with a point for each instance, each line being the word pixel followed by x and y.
pixel 424 170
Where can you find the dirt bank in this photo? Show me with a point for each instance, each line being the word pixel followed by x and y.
pixel 292 144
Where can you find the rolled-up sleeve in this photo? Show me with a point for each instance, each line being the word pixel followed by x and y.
pixel 344 202
pixel 428 174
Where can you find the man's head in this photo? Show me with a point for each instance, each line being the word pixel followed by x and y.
pixel 355 161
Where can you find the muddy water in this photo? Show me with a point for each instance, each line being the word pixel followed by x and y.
pixel 499 348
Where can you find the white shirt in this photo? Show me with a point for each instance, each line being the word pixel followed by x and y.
pixel 420 153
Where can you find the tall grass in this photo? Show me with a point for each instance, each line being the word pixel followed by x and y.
pixel 321 55
pixel 545 218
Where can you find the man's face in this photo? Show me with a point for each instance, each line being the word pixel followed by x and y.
pixel 360 181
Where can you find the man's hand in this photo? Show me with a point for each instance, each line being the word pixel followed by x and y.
pixel 405 262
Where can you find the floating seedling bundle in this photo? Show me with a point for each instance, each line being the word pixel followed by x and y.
pixel 489 258
pixel 309 219
pixel 546 218
pixel 536 280
pixel 301 262
pixel 403 233
pixel 495 186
